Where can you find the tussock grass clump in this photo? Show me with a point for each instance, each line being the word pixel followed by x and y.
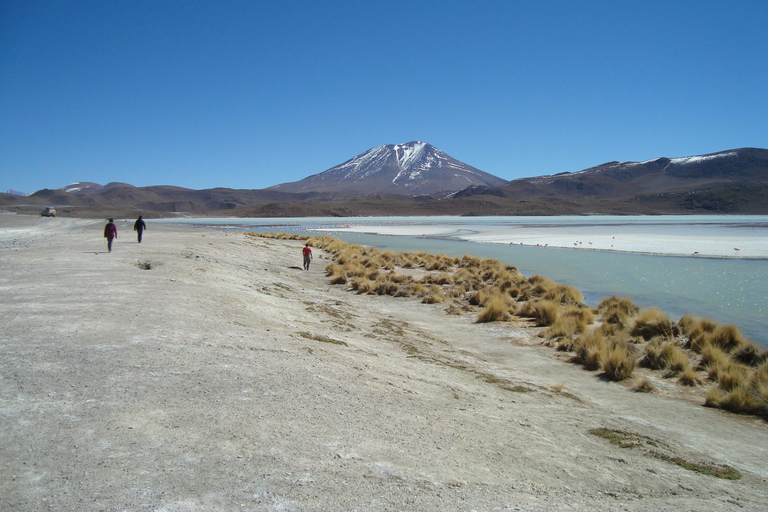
pixel 727 337
pixel 563 327
pixel 618 361
pixel 652 322
pixel 644 385
pixel 545 312
pixel 590 348
pixel 751 397
pixel 731 376
pixel 749 353
pixel 712 357
pixel 563 294
pixel 571 320
pixel 480 297
pixel 654 358
pixel 441 279
pixel 699 330
pixel 362 284
pixel 675 359
pixel 338 278
pixel 385 287
pixel 433 298
pixel 688 377
pixel 688 323
pixel 541 285
pixel 496 310
pixel 617 310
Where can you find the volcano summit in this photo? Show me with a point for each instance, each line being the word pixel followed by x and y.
pixel 412 169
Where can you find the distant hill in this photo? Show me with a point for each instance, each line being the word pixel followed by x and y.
pixel 733 181
pixel 411 169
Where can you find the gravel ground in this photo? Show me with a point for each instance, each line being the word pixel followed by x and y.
pixel 204 370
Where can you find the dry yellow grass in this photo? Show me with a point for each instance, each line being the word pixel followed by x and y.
pixel 617 310
pixel 727 337
pixel 541 284
pixel 653 357
pixel 563 294
pixel 433 298
pixel 750 397
pixel 644 385
pixel 676 359
pixel 496 309
pixel 570 321
pixel 750 354
pixel 338 277
pixel 731 376
pixel 688 377
pixel 712 357
pixel 563 327
pixel 362 284
pixel 618 361
pixel 589 348
pixel 545 312
pixel 652 322
pixel 738 365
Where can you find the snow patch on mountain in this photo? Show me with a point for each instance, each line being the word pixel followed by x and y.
pixel 703 158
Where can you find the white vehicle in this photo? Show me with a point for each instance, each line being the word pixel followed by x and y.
pixel 49 212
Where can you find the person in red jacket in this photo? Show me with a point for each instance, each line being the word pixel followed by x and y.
pixel 307 252
pixel 110 233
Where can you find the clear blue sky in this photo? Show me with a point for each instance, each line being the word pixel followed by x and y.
pixel 249 94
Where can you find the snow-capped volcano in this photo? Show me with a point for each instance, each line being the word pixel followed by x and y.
pixel 415 168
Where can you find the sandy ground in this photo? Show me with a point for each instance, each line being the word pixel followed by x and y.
pixel 226 378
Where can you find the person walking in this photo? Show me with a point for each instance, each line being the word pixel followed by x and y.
pixel 307 252
pixel 139 226
pixel 110 233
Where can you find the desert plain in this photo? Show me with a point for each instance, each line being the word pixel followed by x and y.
pixel 205 370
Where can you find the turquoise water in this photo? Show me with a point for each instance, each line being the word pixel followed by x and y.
pixel 730 291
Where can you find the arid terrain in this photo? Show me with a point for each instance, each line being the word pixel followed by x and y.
pixel 204 370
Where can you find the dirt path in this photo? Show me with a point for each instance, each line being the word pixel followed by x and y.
pixel 226 378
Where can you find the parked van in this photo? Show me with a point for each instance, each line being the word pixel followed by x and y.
pixel 49 212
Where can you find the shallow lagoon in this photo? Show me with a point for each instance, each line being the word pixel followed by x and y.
pixel 730 286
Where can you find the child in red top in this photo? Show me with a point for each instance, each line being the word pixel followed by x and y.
pixel 307 252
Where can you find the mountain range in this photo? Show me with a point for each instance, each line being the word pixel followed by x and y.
pixel 418 179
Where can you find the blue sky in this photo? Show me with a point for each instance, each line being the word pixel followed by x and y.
pixel 249 94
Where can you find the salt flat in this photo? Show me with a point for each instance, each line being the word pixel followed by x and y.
pixel 695 240
pixel 226 378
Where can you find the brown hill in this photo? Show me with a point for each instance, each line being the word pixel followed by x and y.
pixel 734 181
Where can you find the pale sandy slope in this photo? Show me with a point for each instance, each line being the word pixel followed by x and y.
pixel 209 383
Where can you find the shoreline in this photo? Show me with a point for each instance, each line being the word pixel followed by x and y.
pixel 225 377
pixel 727 237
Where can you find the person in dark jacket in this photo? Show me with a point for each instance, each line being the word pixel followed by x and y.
pixel 110 233
pixel 139 227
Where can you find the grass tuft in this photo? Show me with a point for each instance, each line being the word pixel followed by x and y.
pixel 496 310
pixel 644 385
pixel 618 362
pixel 652 322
